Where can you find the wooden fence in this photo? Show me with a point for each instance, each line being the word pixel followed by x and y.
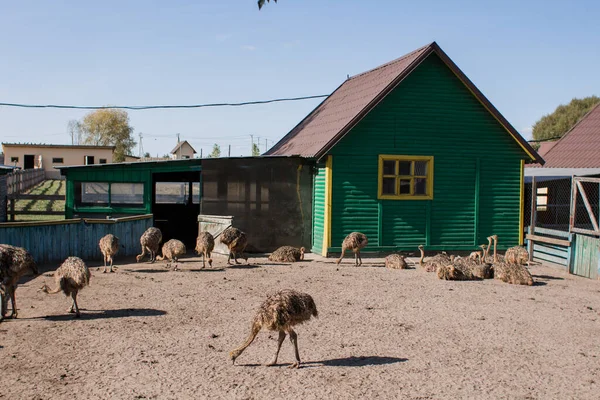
pixel 21 180
pixel 550 246
pixel 54 241
pixel 11 212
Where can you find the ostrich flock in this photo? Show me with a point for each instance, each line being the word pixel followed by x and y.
pixel 281 310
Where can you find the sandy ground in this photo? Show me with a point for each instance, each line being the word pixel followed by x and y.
pixel 151 333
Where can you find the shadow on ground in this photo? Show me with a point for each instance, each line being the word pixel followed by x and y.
pixel 356 361
pixel 553 278
pixel 106 314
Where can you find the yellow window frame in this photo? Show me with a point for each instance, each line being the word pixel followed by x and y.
pixel 411 196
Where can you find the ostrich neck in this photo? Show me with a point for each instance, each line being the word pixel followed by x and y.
pixel 422 256
pixel 495 255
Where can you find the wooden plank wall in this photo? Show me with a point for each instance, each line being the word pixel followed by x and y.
pixel 54 241
pixel 585 257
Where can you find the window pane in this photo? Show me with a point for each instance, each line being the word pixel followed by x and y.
pixel 389 167
pixel 420 168
pixel 388 186
pixel 542 190
pixel 196 192
pixel 127 193
pixel 405 167
pixel 171 193
pixel 94 193
pixel 404 186
pixel 420 186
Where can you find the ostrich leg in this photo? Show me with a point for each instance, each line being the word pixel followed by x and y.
pixel 74 307
pixel 104 257
pixel 294 340
pixel 341 256
pixel 279 342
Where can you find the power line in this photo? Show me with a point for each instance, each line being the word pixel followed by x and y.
pixel 544 140
pixel 245 103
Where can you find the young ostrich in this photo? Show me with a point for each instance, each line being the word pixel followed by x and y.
pixel 72 276
pixel 287 254
pixel 109 246
pixel 465 269
pixel 236 241
pixel 205 243
pixel 280 312
pixel 355 242
pixel 171 251
pixel 432 263
pixel 517 255
pixel 14 263
pixel 150 241
pixel 395 261
pixel 510 272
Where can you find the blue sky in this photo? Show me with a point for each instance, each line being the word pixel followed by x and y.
pixel 527 57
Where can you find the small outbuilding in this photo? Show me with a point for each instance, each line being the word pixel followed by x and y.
pixel 411 153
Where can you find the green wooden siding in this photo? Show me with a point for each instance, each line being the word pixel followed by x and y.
pixel 476 169
pixel 585 257
pixel 318 209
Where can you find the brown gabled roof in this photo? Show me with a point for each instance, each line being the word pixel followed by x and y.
pixel 580 146
pixel 180 144
pixel 320 130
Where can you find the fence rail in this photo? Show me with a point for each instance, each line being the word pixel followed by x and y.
pixel 18 182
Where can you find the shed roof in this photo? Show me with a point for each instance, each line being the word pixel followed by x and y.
pixel 320 130
pixel 180 144
pixel 580 146
pixel 64 146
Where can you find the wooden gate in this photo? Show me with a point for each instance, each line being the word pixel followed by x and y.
pixel 583 222
pixel 586 256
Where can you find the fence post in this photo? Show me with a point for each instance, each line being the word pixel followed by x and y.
pixel 533 215
pixel 12 209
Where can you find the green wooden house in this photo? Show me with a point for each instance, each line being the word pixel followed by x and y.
pixel 412 153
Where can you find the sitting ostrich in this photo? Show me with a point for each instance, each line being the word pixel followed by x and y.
pixel 517 255
pixel 150 241
pixel 109 246
pixel 287 254
pixel 465 269
pixel 14 263
pixel 72 276
pixel 395 261
pixel 171 251
pixel 280 312
pixel 355 242
pixel 236 241
pixel 510 272
pixel 432 263
pixel 205 243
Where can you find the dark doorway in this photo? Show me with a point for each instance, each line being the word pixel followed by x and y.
pixel 176 205
pixel 28 161
pixel 89 160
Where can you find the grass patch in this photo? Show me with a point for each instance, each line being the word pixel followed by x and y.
pixel 48 187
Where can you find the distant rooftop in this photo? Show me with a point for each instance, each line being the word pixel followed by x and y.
pixel 69 146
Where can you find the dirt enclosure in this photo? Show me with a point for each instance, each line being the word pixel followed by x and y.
pixel 147 332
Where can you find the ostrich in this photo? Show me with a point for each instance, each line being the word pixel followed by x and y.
pixel 287 254
pixel 150 241
pixel 171 251
pixel 517 255
pixel 14 263
pixel 280 312
pixel 109 246
pixel 355 242
pixel 395 261
pixel 434 262
pixel 205 243
pixel 236 242
pixel 510 272
pixel 72 276
pixel 465 269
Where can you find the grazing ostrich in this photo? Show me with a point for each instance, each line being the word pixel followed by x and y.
pixel 109 246
pixel 236 241
pixel 510 272
pixel 150 241
pixel 280 312
pixel 14 263
pixel 395 261
pixel 287 254
pixel 434 262
pixel 205 243
pixel 171 251
pixel 355 242
pixel 72 276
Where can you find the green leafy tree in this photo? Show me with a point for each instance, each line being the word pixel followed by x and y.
pixel 147 155
pixel 107 127
pixel 563 118
pixel 261 3
pixel 255 150
pixel 216 151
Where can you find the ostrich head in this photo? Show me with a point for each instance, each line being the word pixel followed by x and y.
pixel 302 251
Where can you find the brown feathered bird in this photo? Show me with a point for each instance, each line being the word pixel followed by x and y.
pixel 395 261
pixel 109 246
pixel 287 254
pixel 14 263
pixel 432 263
pixel 236 241
pixel 517 255
pixel 205 244
pixel 150 241
pixel 280 312
pixel 355 241
pixel 507 271
pixel 72 276
pixel 172 250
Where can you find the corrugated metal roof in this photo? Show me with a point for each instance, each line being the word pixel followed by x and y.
pixel 320 130
pixel 580 147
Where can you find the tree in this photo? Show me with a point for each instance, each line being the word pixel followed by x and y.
pixel 108 127
pixel 255 150
pixel 74 131
pixel 563 118
pixel 147 155
pixel 216 151
pixel 261 3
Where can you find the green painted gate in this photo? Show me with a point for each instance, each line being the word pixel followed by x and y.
pixel 586 257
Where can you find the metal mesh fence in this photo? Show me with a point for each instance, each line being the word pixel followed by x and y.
pixel 587 204
pixel 547 204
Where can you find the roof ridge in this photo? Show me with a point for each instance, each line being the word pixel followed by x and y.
pixel 401 58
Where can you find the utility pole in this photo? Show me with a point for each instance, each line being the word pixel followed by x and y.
pixel 141 151
pixel 265 145
pixel 229 152
pixel 201 152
